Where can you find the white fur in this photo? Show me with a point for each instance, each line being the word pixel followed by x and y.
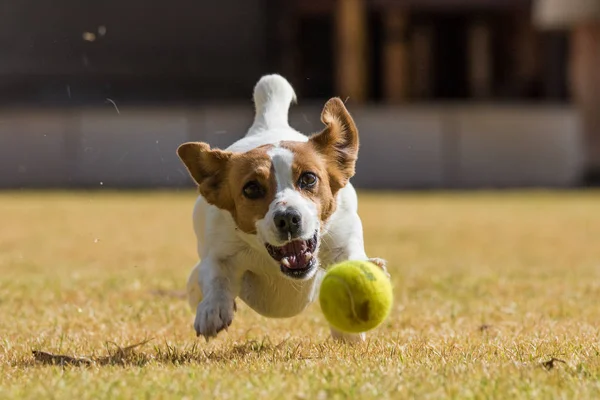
pixel 272 98
pixel 282 160
pixel 235 264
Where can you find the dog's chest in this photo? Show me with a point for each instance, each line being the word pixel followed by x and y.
pixel 276 296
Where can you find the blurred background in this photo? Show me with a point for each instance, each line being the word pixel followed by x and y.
pixel 446 93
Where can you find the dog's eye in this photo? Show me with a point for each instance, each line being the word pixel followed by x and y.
pixel 307 180
pixel 253 190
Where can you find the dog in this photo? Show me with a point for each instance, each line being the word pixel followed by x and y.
pixel 274 210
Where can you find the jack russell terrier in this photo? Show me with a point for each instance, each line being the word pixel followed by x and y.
pixel 275 209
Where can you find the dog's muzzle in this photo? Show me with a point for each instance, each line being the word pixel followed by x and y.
pixel 296 258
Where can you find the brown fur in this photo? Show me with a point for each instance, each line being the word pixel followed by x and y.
pixel 254 165
pixel 222 175
pixel 338 143
pixel 209 168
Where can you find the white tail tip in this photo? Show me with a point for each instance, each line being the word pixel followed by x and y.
pixel 273 95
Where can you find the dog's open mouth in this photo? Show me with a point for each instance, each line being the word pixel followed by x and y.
pixel 297 257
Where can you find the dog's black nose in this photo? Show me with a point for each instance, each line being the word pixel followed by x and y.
pixel 288 222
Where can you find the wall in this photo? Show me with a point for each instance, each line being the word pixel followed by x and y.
pixel 408 147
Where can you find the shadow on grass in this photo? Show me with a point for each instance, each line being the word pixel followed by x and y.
pixel 248 351
pixel 117 355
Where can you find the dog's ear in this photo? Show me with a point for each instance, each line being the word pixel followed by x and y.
pixel 208 168
pixel 338 143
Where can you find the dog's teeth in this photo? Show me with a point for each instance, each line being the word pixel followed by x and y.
pixel 285 262
pixel 308 255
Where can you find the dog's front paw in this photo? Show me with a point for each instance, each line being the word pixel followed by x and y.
pixel 213 315
pixel 349 338
pixel 381 263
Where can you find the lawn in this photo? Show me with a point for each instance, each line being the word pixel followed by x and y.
pixel 490 289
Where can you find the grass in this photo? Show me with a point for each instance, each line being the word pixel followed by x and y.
pixel 490 287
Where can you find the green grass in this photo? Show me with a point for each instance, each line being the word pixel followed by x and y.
pixel 488 287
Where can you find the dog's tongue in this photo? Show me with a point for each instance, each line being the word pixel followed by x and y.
pixel 296 254
pixel 296 247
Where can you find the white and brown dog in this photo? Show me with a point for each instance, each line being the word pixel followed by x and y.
pixel 275 209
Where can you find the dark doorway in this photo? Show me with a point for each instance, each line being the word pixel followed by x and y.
pixel 316 56
pixel 450 56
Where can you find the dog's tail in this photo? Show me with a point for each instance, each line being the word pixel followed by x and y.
pixel 273 95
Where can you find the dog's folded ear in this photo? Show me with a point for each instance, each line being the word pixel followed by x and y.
pixel 338 142
pixel 208 167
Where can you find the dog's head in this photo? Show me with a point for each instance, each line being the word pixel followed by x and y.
pixel 281 194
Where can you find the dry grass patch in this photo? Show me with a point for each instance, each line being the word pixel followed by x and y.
pixel 497 295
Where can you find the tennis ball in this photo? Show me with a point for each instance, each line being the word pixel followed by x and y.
pixel 355 296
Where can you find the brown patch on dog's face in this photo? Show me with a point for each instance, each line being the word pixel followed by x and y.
pixel 241 183
pixel 252 183
pixel 329 155
pixel 310 172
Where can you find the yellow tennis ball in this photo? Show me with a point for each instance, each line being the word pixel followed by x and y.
pixel 355 296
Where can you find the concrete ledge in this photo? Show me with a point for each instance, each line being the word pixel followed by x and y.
pixel 130 149
pixel 408 147
pixel 400 148
pixel 500 147
pixel 34 147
